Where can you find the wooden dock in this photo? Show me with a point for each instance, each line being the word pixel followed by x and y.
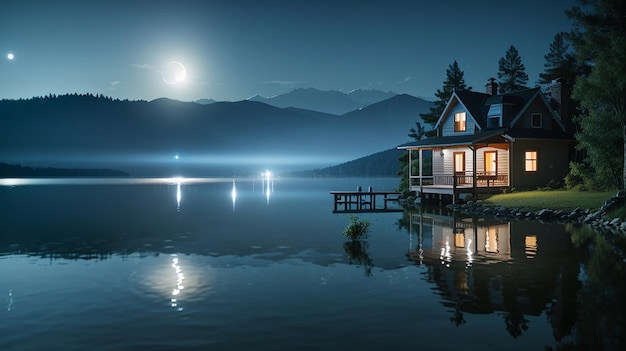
pixel 364 201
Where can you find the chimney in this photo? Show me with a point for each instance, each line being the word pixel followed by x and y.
pixel 560 99
pixel 492 86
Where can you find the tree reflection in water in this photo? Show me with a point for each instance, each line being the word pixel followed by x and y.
pixel 357 251
pixel 515 269
pixel 601 300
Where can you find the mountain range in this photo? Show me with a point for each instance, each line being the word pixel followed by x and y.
pixel 332 101
pixel 217 138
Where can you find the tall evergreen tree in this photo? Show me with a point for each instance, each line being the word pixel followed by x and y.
pixel 560 62
pixel 418 132
pixel 599 37
pixel 454 81
pixel 511 72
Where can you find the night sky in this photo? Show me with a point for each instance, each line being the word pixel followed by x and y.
pixel 232 50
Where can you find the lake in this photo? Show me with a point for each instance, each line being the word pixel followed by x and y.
pixel 260 263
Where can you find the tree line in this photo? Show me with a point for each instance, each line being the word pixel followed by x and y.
pixel 590 62
pixel 19 171
pixel 72 95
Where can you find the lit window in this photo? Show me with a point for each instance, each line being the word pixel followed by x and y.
pixel 531 161
pixel 459 122
pixel 536 120
pixel 491 163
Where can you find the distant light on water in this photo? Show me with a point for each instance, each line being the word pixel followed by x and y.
pixel 267 177
pixel 178 197
pixel 233 194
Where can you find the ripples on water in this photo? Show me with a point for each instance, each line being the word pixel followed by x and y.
pixel 166 264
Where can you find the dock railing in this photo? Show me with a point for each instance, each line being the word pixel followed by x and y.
pixel 364 201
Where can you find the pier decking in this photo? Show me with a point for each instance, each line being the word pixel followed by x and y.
pixel 363 201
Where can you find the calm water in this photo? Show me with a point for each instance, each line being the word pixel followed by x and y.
pixel 190 264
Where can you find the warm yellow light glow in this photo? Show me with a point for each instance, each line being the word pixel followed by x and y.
pixel 459 239
pixel 531 246
pixel 470 254
pixel 460 122
pixel 530 161
pixel 491 240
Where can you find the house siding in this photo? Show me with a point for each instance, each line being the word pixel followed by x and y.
pixel 537 106
pixel 447 127
pixel 448 160
pixel 502 155
pixel 552 163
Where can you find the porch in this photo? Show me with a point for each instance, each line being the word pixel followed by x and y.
pixel 457 185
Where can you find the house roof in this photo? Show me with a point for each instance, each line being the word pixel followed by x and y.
pixel 478 104
pixel 538 134
pixel 466 139
pixel 471 100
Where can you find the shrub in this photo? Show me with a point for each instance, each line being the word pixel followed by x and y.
pixel 357 229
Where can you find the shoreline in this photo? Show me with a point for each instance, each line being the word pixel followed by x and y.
pixel 594 218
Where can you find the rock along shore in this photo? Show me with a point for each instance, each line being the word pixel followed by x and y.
pixel 595 218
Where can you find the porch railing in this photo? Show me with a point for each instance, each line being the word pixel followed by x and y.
pixel 465 179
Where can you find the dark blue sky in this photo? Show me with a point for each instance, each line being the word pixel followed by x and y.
pixel 235 49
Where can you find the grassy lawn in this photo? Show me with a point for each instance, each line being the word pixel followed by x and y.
pixel 553 199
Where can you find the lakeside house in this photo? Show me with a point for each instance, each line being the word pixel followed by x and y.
pixel 488 141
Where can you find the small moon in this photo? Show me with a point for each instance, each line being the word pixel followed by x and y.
pixel 174 72
pixel 10 56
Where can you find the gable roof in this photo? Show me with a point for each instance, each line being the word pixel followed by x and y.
pixel 477 104
pixel 470 100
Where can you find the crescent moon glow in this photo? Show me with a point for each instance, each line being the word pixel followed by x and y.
pixel 174 72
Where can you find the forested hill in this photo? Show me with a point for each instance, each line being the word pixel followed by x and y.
pixel 381 164
pixel 86 131
pixel 19 171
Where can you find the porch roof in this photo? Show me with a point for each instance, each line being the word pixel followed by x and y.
pixel 453 140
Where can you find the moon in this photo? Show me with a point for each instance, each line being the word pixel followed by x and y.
pixel 10 56
pixel 174 72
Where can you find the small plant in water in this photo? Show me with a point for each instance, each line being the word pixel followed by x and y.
pixel 357 229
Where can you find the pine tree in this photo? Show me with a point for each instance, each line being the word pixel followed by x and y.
pixel 454 81
pixel 560 62
pixel 418 132
pixel 511 72
pixel 600 42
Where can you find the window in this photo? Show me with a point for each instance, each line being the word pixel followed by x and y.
pixel 536 120
pixel 459 122
pixel 494 116
pixel 530 161
pixel 491 163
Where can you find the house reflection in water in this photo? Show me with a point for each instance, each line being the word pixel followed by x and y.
pixel 518 269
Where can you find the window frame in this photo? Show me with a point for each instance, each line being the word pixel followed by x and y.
pixel 530 161
pixel 495 162
pixel 532 120
pixel 460 125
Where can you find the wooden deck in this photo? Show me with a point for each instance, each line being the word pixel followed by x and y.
pixel 456 185
pixel 364 201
